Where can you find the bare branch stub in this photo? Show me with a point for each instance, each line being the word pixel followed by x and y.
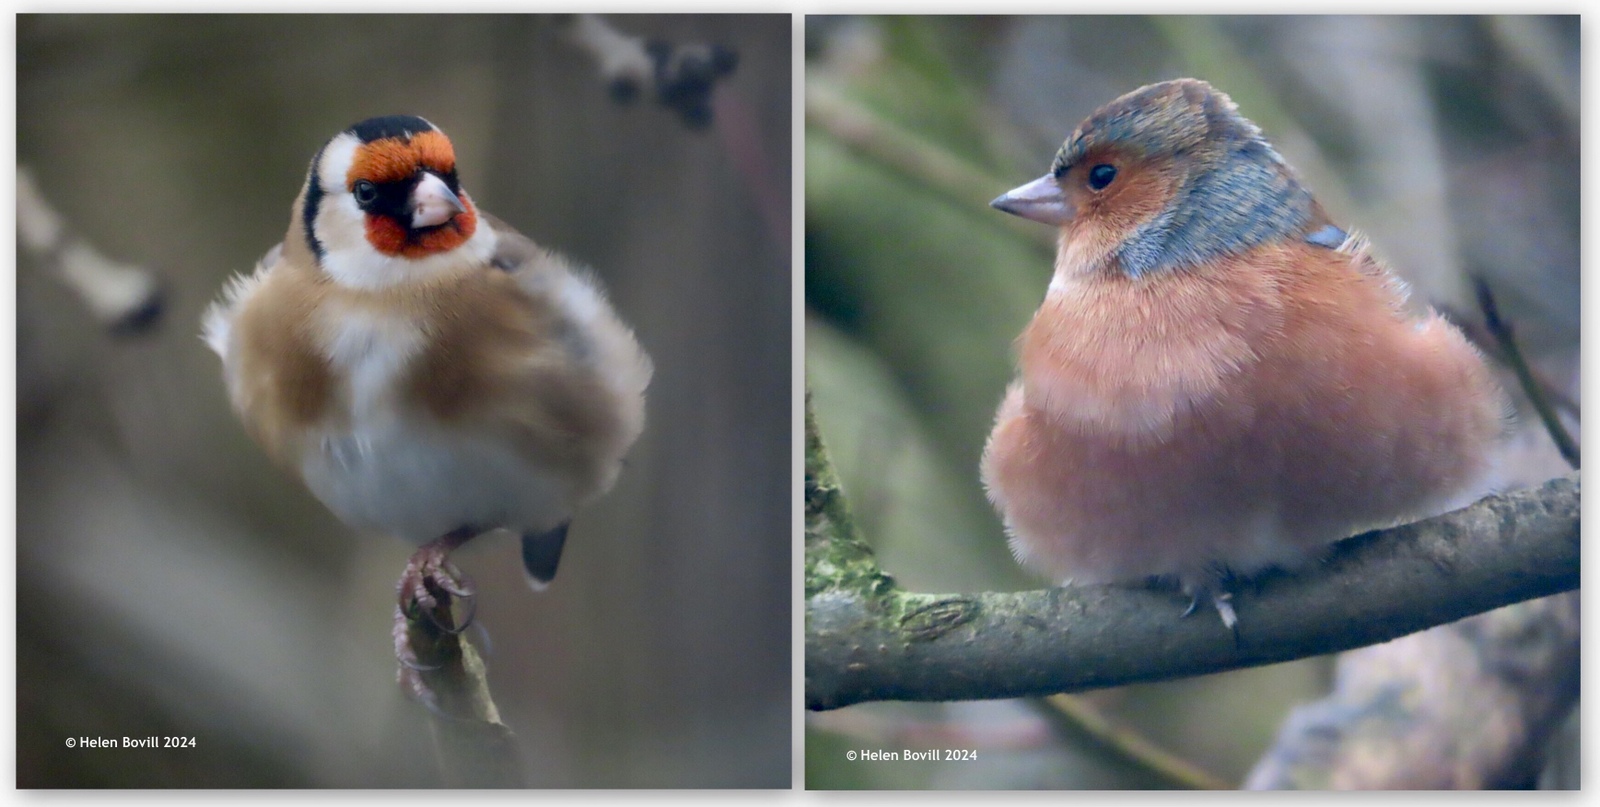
pixel 678 76
pixel 474 748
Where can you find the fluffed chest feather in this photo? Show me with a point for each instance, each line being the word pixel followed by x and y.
pixel 382 461
pixel 1128 356
pixel 372 352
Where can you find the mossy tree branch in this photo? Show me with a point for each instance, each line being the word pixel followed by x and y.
pixel 868 639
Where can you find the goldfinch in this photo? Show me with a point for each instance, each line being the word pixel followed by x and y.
pixel 427 371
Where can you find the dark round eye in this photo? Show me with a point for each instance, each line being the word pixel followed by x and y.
pixel 366 193
pixel 1101 175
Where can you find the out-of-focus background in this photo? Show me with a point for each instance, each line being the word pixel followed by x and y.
pixel 1451 141
pixel 172 582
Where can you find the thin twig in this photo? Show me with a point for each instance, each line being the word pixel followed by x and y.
pixel 1486 342
pixel 1026 733
pixel 1077 717
pixel 686 78
pixel 1530 386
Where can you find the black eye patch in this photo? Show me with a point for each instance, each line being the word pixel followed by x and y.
pixel 385 198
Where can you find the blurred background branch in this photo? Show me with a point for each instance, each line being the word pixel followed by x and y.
pixel 125 298
pixel 1473 705
pixel 679 76
pixel 689 79
pixel 938 169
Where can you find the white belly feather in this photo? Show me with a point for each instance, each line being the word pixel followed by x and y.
pixel 406 479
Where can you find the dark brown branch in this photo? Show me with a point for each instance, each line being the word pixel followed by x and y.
pixel 867 639
pixel 1530 385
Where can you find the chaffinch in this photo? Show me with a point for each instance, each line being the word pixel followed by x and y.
pixel 1220 378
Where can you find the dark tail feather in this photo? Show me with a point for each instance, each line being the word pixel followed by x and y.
pixel 541 554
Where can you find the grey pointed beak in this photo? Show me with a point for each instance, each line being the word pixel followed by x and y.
pixel 1040 200
pixel 433 203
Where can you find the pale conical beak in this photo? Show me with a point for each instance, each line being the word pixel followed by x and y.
pixel 433 203
pixel 1040 200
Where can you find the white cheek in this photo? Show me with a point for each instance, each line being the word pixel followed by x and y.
pixel 334 168
pixel 341 225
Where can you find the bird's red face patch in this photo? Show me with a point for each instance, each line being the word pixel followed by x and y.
pixel 392 237
pixel 393 160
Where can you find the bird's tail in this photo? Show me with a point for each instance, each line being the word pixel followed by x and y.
pixel 541 554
